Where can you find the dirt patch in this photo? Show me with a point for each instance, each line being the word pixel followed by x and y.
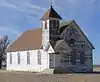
pixel 37 77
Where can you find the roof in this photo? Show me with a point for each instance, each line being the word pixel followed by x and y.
pixel 51 13
pixel 65 24
pixel 32 40
pixel 84 35
pixel 62 44
pixel 29 40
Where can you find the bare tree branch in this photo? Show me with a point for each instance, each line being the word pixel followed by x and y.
pixel 3 45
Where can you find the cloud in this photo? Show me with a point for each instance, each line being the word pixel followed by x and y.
pixel 21 13
pixel 23 6
pixel 35 7
pixel 8 30
pixel 7 5
pixel 17 15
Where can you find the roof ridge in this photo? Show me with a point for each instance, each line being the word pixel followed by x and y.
pixel 32 29
pixel 51 13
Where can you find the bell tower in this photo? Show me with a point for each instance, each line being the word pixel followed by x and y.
pixel 50 26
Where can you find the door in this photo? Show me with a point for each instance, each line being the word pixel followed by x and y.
pixel 51 60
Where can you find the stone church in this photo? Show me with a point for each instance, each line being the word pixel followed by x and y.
pixel 56 45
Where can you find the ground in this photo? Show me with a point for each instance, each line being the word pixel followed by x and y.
pixel 36 77
pixel 6 76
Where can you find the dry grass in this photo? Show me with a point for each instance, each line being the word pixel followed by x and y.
pixel 96 69
pixel 36 77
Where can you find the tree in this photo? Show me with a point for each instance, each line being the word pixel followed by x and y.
pixel 3 45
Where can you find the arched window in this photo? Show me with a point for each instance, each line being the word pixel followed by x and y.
pixel 10 58
pixel 18 57
pixel 39 57
pixel 28 58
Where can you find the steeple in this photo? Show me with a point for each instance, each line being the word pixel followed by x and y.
pixel 51 3
pixel 51 13
pixel 50 26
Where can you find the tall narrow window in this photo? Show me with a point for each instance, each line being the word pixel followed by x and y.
pixel 28 58
pixel 53 25
pixel 73 58
pixel 10 58
pixel 39 57
pixel 46 24
pixel 57 24
pixel 18 56
pixel 78 57
pixel 82 58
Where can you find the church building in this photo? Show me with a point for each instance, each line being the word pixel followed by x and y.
pixel 56 45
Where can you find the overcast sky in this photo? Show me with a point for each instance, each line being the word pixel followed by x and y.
pixel 17 16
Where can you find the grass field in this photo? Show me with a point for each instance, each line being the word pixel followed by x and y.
pixel 97 69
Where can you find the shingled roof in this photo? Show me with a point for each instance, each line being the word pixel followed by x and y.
pixel 29 40
pixel 51 13
pixel 32 40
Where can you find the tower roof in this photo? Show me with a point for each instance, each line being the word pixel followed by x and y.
pixel 51 13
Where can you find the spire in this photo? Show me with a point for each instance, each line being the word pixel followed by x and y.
pixel 51 4
pixel 51 13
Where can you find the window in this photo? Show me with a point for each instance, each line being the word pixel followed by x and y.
pixel 57 24
pixel 65 58
pixel 77 54
pixel 45 25
pixel 39 57
pixel 28 58
pixel 68 58
pixel 73 58
pixel 10 58
pixel 18 56
pixel 53 25
pixel 82 58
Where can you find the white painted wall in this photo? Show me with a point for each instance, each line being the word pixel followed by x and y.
pixel 45 60
pixel 23 66
pixel 45 33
